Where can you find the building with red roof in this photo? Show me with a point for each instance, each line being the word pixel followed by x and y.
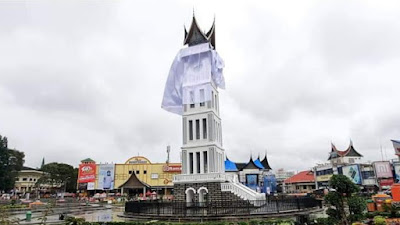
pixel 302 182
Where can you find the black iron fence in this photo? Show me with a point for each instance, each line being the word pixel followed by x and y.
pixel 221 207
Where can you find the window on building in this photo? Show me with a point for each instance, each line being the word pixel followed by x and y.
pixel 212 99
pixel 197 129
pixel 137 171
pixel 202 97
pixel 367 174
pixel 304 187
pixel 340 170
pixel 216 103
pixel 190 129
pixel 130 171
pixel 204 128
pixel 191 163
pixel 24 179
pixel 30 179
pixel 198 161
pixel 351 160
pixel 144 171
pixel 205 160
pixel 191 99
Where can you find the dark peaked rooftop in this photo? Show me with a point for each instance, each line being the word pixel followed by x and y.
pixel 349 152
pixel 265 163
pixel 195 36
pixel 252 164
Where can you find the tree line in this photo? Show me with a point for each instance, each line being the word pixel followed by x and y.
pixel 59 175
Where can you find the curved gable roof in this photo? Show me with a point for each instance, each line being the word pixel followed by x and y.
pixel 230 166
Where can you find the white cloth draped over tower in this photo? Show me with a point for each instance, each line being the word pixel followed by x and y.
pixel 190 78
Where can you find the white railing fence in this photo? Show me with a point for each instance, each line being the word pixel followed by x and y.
pixel 242 191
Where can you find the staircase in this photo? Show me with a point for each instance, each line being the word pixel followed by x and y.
pixel 243 192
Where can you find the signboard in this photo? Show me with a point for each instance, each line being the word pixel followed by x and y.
pixel 383 169
pixel 138 160
pixel 269 184
pixel 82 186
pixel 106 177
pixel 90 186
pixel 397 172
pixel 87 173
pixel 324 177
pixel 168 168
pixel 251 180
pixel 396 146
pixel 352 172
pixel 386 183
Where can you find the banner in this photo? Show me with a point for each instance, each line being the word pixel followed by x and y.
pixel 397 172
pixel 352 172
pixel 269 184
pixel 383 169
pixel 251 180
pixel 87 173
pixel 396 146
pixel 170 168
pixel 386 183
pixel 90 186
pixel 106 177
pixel 82 186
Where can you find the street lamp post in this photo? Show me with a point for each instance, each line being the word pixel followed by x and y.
pixel 65 186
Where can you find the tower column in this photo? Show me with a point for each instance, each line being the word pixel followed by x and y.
pixel 202 162
pixel 194 162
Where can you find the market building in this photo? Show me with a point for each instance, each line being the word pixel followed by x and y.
pixel 336 160
pixel 138 176
pixel 348 163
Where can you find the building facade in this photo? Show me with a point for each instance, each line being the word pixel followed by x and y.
pixel 137 176
pixel 26 181
pixel 302 182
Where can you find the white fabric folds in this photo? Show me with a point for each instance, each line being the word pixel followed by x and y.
pixel 190 77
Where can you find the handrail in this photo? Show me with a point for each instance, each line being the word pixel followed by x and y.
pixel 185 178
pixel 242 191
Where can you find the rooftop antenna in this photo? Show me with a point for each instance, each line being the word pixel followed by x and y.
pixel 386 158
pixel 168 151
pixel 381 152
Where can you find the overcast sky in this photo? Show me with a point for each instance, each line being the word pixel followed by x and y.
pixel 85 79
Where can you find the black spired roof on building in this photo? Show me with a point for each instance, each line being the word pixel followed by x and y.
pixel 195 36
pixel 251 165
pixel 349 152
pixel 265 163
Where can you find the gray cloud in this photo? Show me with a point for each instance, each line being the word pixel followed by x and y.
pixel 85 79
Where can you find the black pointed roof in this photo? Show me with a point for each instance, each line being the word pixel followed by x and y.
pixel 349 152
pixel 251 165
pixel 265 163
pixel 195 36
pixel 133 182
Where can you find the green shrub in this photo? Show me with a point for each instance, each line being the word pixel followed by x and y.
pixel 254 222
pixel 325 221
pixel 379 220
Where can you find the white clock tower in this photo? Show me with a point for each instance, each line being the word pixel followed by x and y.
pixel 192 91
